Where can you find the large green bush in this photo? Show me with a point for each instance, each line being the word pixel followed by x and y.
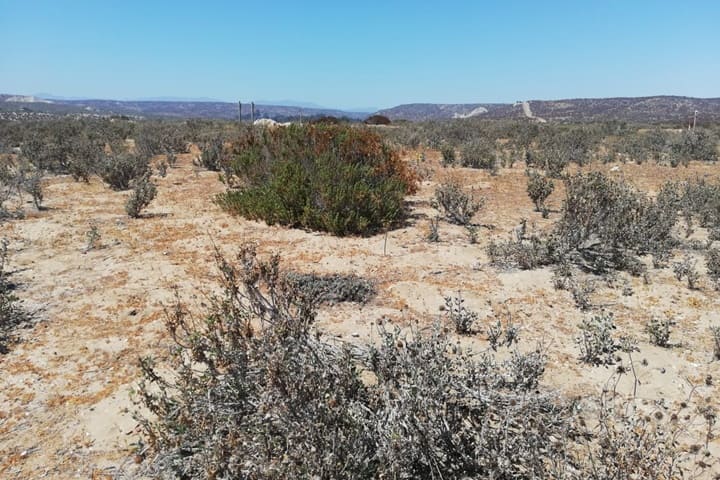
pixel 333 178
pixel 119 170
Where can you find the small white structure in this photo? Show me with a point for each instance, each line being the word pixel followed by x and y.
pixel 265 122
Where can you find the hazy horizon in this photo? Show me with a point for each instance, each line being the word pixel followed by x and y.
pixel 369 55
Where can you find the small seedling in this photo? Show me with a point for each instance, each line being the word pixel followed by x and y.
pixel 460 316
pixel 659 330
pixel 715 332
pixel 93 238
pixel 433 234
pixel 472 231
pixel 597 345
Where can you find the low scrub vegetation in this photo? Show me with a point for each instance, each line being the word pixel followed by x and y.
pixel 143 192
pixel 539 189
pixel 333 288
pixel 255 391
pixel 606 224
pixel 12 314
pixel 715 339
pixel 659 330
pixel 597 342
pixel 339 179
pixel 712 262
pixel 212 154
pixel 119 170
pixel 479 153
pixel 16 179
pixel 524 250
pixel 457 206
pixel 462 318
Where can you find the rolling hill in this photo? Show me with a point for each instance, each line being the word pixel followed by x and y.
pixel 164 108
pixel 632 109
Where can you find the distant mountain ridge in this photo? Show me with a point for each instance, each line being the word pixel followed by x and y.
pixel 166 108
pixel 632 109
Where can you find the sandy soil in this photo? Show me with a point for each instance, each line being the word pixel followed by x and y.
pixel 64 391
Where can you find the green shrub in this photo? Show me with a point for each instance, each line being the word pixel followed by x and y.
pixel 29 179
pixel 715 338
pixel 462 318
pixel 160 137
pixel 33 186
pixel 84 158
pixel 686 269
pixel 606 223
pixel 700 199
pixel 479 154
pixel 339 179
pixel 522 251
pixel 539 188
pixel 93 238
pixel 118 170
pixel 143 193
pixel 596 341
pixel 457 206
pixel 581 291
pixel 377 120
pixel 659 330
pixel 695 144
pixel 12 315
pixel 212 155
pixel 557 149
pixel 333 288
pixel 448 156
pixel 712 262
pixel 433 234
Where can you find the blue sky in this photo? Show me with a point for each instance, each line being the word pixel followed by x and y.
pixel 361 53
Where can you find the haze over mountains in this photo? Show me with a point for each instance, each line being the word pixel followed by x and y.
pixel 633 109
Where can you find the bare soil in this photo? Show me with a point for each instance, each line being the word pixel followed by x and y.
pixel 65 389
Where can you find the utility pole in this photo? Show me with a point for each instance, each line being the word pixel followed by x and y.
pixel 239 111
pixel 252 112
